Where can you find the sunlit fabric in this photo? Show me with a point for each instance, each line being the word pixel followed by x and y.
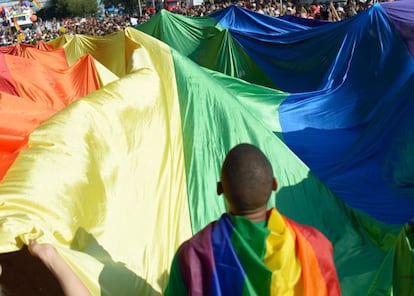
pixel 94 172
pixel 234 256
pixel 401 16
pixel 19 48
pixel 31 91
pixel 106 51
pixel 350 83
pixel 120 177
pixel 56 58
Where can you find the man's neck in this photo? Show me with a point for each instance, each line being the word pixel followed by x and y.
pixel 256 216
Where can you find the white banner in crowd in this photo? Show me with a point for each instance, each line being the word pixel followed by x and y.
pixel 194 2
pixel 197 2
pixel 134 21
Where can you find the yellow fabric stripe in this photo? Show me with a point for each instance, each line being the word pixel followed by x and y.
pixel 281 259
pixel 104 75
pixel 110 50
pixel 106 176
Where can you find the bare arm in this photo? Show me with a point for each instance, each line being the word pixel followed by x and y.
pixel 69 281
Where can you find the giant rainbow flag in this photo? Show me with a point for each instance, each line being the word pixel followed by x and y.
pixel 110 148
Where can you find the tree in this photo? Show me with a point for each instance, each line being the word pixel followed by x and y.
pixel 76 7
pixel 112 2
pixel 82 7
pixel 128 4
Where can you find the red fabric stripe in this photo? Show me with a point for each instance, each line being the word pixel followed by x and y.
pixel 323 252
pixel 6 82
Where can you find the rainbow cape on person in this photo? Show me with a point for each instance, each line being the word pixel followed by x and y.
pixel 234 256
pixel 125 170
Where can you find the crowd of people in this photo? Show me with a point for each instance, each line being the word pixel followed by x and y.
pixel 118 19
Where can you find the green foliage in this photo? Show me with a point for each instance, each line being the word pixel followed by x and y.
pixel 75 7
pixel 82 7
pixel 128 4
pixel 114 2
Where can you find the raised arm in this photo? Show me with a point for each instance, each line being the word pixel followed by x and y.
pixel 69 281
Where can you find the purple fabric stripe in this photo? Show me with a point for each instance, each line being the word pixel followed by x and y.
pixel 209 263
pixel 228 267
pixel 197 263
pixel 401 13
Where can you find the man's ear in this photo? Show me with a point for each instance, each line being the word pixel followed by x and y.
pixel 274 184
pixel 219 188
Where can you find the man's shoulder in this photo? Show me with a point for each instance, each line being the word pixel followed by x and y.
pixel 203 237
pixel 310 232
pixel 199 239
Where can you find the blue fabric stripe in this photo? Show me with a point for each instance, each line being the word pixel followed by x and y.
pixel 229 274
pixel 357 134
pixel 246 20
pixel 348 117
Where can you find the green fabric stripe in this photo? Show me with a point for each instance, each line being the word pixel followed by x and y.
pixel 404 263
pixel 176 284
pixel 363 246
pixel 204 41
pixel 180 32
pixel 249 243
pixel 217 113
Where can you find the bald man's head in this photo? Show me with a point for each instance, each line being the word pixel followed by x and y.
pixel 246 179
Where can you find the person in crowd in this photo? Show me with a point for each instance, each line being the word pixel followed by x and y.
pixel 252 249
pixel 49 29
pixel 70 283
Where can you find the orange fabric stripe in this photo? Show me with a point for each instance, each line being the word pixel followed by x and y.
pixel 316 253
pixel 16 24
pixel 313 282
pixel 54 59
pixel 19 48
pixel 42 91
pixel 18 118
pixel 37 81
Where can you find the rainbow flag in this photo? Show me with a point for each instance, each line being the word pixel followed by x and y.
pixel 120 177
pixel 234 256
pixel 270 51
pixel 38 93
pixel 36 5
pixel 16 24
